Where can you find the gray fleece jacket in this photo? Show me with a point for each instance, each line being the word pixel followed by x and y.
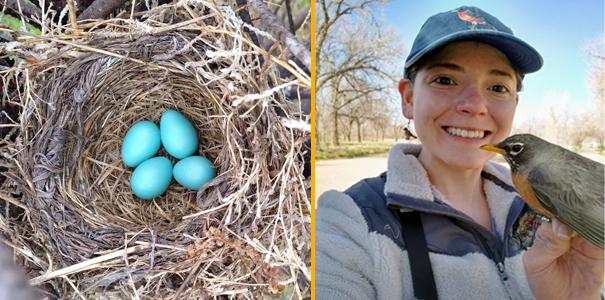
pixel 360 253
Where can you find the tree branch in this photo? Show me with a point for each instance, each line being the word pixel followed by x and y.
pixel 26 8
pixel 99 9
pixel 270 21
pixel 289 14
pixel 300 20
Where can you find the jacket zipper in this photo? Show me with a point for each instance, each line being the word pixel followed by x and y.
pixel 499 256
pixel 481 233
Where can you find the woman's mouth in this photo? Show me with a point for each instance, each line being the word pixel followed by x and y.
pixel 467 133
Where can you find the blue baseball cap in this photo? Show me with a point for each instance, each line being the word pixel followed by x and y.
pixel 472 23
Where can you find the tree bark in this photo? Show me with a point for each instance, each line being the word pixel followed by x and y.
pixel 100 9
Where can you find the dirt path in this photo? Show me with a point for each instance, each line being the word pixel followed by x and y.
pixel 339 174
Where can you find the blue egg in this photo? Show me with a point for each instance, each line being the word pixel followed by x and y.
pixel 151 178
pixel 193 172
pixel 141 142
pixel 178 135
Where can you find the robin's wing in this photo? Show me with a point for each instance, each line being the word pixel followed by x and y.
pixel 572 192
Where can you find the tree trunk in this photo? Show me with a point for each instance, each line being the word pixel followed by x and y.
pixel 335 128
pixel 316 136
pixel 350 131
pixel 359 132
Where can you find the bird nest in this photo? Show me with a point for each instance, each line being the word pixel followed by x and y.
pixel 68 211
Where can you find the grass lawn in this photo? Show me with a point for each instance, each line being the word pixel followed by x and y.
pixel 354 149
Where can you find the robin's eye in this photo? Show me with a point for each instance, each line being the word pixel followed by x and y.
pixel 516 148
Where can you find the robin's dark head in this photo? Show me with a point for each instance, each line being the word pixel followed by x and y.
pixel 518 149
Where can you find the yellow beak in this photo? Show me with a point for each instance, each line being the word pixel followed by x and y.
pixel 493 148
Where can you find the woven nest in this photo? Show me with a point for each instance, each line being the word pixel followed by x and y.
pixel 68 211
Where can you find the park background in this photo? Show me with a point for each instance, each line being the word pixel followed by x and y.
pixel 361 47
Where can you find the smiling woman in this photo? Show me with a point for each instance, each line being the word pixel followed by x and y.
pixel 460 97
pixel 442 208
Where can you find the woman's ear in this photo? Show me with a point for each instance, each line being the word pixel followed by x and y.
pixel 406 90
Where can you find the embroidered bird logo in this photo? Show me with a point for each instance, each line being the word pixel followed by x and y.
pixel 465 15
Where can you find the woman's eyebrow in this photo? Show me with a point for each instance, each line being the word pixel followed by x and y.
pixel 458 68
pixel 501 73
pixel 451 66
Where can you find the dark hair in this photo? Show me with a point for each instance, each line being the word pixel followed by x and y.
pixel 411 72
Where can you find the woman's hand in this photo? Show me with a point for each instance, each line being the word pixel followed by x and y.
pixel 560 266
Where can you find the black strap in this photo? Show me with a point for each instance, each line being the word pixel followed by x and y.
pixel 418 254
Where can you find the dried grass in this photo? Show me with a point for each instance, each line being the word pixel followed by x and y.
pixel 67 209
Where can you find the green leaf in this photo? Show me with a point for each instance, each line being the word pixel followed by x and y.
pixel 15 23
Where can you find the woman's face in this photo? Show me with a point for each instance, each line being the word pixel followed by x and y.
pixel 463 97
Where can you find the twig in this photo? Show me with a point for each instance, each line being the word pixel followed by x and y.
pixel 276 60
pixel 14 201
pixel 25 252
pixel 289 14
pixel 84 47
pixel 132 9
pixel 205 211
pixel 265 94
pixel 192 274
pixel 72 15
pixel 300 20
pixel 87 264
pixel 74 287
pixel 161 246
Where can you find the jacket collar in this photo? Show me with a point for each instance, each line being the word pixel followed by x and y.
pixel 407 177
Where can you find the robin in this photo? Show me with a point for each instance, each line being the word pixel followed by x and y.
pixel 556 182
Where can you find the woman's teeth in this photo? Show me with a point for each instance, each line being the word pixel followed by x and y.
pixel 472 134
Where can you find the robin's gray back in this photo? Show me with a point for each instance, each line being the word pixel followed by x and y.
pixel 570 186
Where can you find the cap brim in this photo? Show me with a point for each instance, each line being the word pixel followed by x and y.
pixel 523 56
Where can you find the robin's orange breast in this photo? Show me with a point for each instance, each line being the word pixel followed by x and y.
pixel 527 193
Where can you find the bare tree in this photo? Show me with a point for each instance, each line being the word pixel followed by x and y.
pixel 355 57
pixel 375 112
pixel 573 129
pixel 329 15
pixel 597 81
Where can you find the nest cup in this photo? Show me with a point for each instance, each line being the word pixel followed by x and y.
pixel 244 234
pixel 105 128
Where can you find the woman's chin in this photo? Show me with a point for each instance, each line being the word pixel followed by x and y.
pixel 468 161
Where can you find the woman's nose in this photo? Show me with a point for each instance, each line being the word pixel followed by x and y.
pixel 472 101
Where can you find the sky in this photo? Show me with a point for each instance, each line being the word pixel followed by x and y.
pixel 560 30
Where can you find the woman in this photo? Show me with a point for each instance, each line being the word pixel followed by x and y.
pixel 443 221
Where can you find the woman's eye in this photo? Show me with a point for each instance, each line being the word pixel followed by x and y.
pixel 499 88
pixel 443 80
